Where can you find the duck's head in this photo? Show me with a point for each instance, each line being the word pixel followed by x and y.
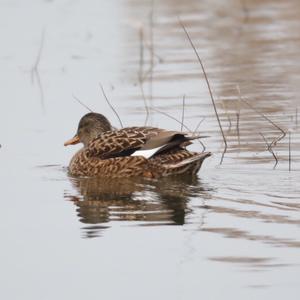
pixel 89 127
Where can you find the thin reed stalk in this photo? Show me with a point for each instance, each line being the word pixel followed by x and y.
pixel 151 50
pixel 141 73
pixel 283 133
pixel 238 128
pixel 145 103
pixel 80 102
pixel 171 117
pixel 238 113
pixel 227 114
pixel 180 122
pixel 35 70
pixel 290 153
pixel 182 115
pixel 198 125
pixel 270 149
pixel 35 66
pixel 141 63
pixel 209 88
pixel 110 105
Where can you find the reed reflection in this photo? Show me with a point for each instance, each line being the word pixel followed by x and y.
pixel 147 202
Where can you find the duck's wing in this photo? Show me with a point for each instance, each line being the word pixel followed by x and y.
pixel 135 141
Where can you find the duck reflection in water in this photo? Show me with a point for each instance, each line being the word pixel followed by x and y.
pixel 145 201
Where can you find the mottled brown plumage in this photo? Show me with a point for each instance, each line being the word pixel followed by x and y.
pixel 116 153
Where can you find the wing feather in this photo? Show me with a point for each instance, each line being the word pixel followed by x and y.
pixel 126 141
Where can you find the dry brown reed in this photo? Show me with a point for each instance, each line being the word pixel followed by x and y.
pixel 238 113
pixel 35 69
pixel 290 153
pixel 182 114
pixel 80 102
pixel 35 66
pixel 270 149
pixel 171 117
pixel 141 74
pixel 208 85
pixel 227 114
pixel 151 23
pixel 198 125
pixel 276 139
pixel 180 122
pixel 283 133
pixel 110 105
pixel 141 62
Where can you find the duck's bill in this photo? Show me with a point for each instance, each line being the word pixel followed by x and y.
pixel 72 141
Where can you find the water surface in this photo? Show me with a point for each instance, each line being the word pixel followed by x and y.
pixel 231 232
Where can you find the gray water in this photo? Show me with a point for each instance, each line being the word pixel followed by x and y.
pixel 230 233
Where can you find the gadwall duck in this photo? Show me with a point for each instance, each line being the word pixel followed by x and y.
pixel 132 151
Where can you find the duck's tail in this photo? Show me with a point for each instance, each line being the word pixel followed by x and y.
pixel 188 165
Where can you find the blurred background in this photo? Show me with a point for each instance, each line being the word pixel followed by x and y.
pixel 231 232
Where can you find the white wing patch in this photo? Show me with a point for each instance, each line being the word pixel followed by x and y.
pixel 147 153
